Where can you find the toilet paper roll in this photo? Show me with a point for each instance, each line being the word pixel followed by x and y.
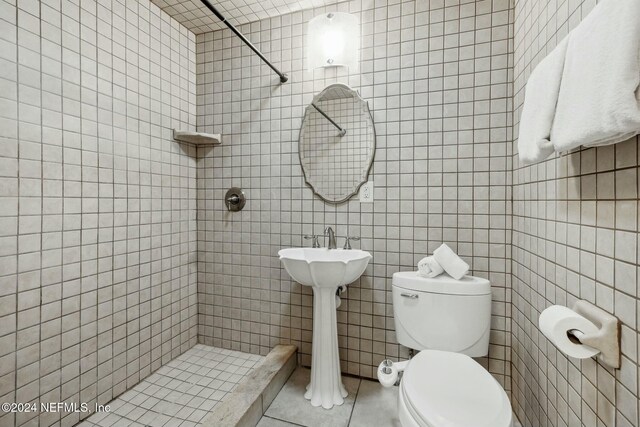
pixel 556 321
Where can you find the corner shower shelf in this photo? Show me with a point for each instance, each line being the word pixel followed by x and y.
pixel 198 138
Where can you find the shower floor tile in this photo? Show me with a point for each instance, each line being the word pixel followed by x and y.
pixel 182 392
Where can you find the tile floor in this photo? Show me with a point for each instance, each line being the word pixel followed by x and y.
pixel 368 405
pixel 181 393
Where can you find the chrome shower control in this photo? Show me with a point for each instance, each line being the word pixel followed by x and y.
pixel 235 199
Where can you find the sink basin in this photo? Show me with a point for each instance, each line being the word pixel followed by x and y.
pixel 324 270
pixel 324 267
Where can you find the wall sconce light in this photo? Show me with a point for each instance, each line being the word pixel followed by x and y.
pixel 334 40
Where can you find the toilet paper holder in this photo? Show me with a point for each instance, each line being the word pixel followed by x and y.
pixel 607 339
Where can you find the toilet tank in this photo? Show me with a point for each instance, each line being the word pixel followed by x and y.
pixel 442 313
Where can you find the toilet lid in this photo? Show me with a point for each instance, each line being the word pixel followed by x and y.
pixel 448 389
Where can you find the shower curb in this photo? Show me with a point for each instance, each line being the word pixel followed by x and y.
pixel 249 401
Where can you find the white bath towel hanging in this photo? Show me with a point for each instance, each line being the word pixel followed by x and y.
pixel 541 97
pixel 599 101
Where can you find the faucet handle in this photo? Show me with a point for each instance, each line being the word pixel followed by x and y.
pixel 347 241
pixel 314 237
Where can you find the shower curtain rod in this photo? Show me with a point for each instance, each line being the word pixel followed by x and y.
pixel 343 131
pixel 283 77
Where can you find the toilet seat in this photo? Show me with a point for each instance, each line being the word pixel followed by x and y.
pixel 446 389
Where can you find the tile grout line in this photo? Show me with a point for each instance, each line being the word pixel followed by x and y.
pixel 129 404
pixel 355 399
pixel 284 421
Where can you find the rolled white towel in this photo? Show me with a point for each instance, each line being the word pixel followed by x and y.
pixel 423 267
pixel 429 267
pixel 450 262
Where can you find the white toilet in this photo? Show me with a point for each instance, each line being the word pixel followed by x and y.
pixel 449 321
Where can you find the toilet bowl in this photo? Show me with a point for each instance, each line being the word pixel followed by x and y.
pixel 448 321
pixel 445 389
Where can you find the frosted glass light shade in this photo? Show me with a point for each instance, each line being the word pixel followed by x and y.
pixel 334 40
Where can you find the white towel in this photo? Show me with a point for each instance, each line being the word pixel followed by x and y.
pixel 429 267
pixel 539 107
pixel 452 263
pixel 599 101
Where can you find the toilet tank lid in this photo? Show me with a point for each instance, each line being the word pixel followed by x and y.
pixel 442 284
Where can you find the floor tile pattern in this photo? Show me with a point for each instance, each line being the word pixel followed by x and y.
pixel 367 401
pixel 182 392
pixel 368 405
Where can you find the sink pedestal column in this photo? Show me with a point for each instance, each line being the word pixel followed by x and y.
pixel 325 388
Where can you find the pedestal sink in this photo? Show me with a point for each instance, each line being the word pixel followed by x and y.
pixel 324 270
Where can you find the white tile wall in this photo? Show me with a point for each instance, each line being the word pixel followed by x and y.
pixel 97 218
pixel 437 75
pixel 575 236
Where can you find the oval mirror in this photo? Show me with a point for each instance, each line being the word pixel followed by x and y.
pixel 337 143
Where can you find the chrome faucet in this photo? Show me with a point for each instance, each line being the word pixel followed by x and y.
pixel 332 238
